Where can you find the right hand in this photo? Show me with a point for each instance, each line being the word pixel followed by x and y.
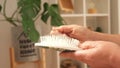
pixel 97 54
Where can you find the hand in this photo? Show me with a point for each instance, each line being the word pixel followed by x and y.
pixel 97 54
pixel 74 31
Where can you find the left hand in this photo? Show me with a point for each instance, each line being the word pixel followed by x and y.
pixel 78 32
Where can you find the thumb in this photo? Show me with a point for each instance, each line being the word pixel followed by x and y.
pixel 54 31
pixel 87 45
pixel 78 55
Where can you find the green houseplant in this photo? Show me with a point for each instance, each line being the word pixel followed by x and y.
pixel 29 11
pixel 26 14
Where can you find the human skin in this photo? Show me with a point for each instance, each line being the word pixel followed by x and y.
pixel 83 34
pixel 99 50
pixel 97 54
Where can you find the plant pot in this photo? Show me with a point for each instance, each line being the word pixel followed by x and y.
pixel 23 47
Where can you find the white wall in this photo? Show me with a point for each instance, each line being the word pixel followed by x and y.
pixel 6 42
pixel 119 15
pixel 115 16
pixel 5 39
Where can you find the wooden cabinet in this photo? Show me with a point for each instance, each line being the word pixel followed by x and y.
pixel 91 14
pixel 96 16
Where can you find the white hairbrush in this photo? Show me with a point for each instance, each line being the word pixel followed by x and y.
pixel 58 42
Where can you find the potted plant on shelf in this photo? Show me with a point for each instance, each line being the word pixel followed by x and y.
pixel 26 14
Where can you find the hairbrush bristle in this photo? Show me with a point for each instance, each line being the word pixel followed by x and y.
pixel 59 42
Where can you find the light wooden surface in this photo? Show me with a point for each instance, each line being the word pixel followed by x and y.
pixel 66 5
pixel 40 63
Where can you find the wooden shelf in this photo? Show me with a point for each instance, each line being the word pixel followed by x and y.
pixel 72 15
pixel 102 14
pixel 80 15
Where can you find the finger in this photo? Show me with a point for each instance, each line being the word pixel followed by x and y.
pixel 55 32
pixel 63 29
pixel 78 55
pixel 88 45
pixel 67 54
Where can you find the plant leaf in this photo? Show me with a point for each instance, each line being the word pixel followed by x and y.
pixel 45 17
pixel 55 7
pixel 45 14
pixel 45 7
pixel 0 8
pixel 29 29
pixel 56 19
pixel 56 22
pixel 29 10
pixel 53 12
